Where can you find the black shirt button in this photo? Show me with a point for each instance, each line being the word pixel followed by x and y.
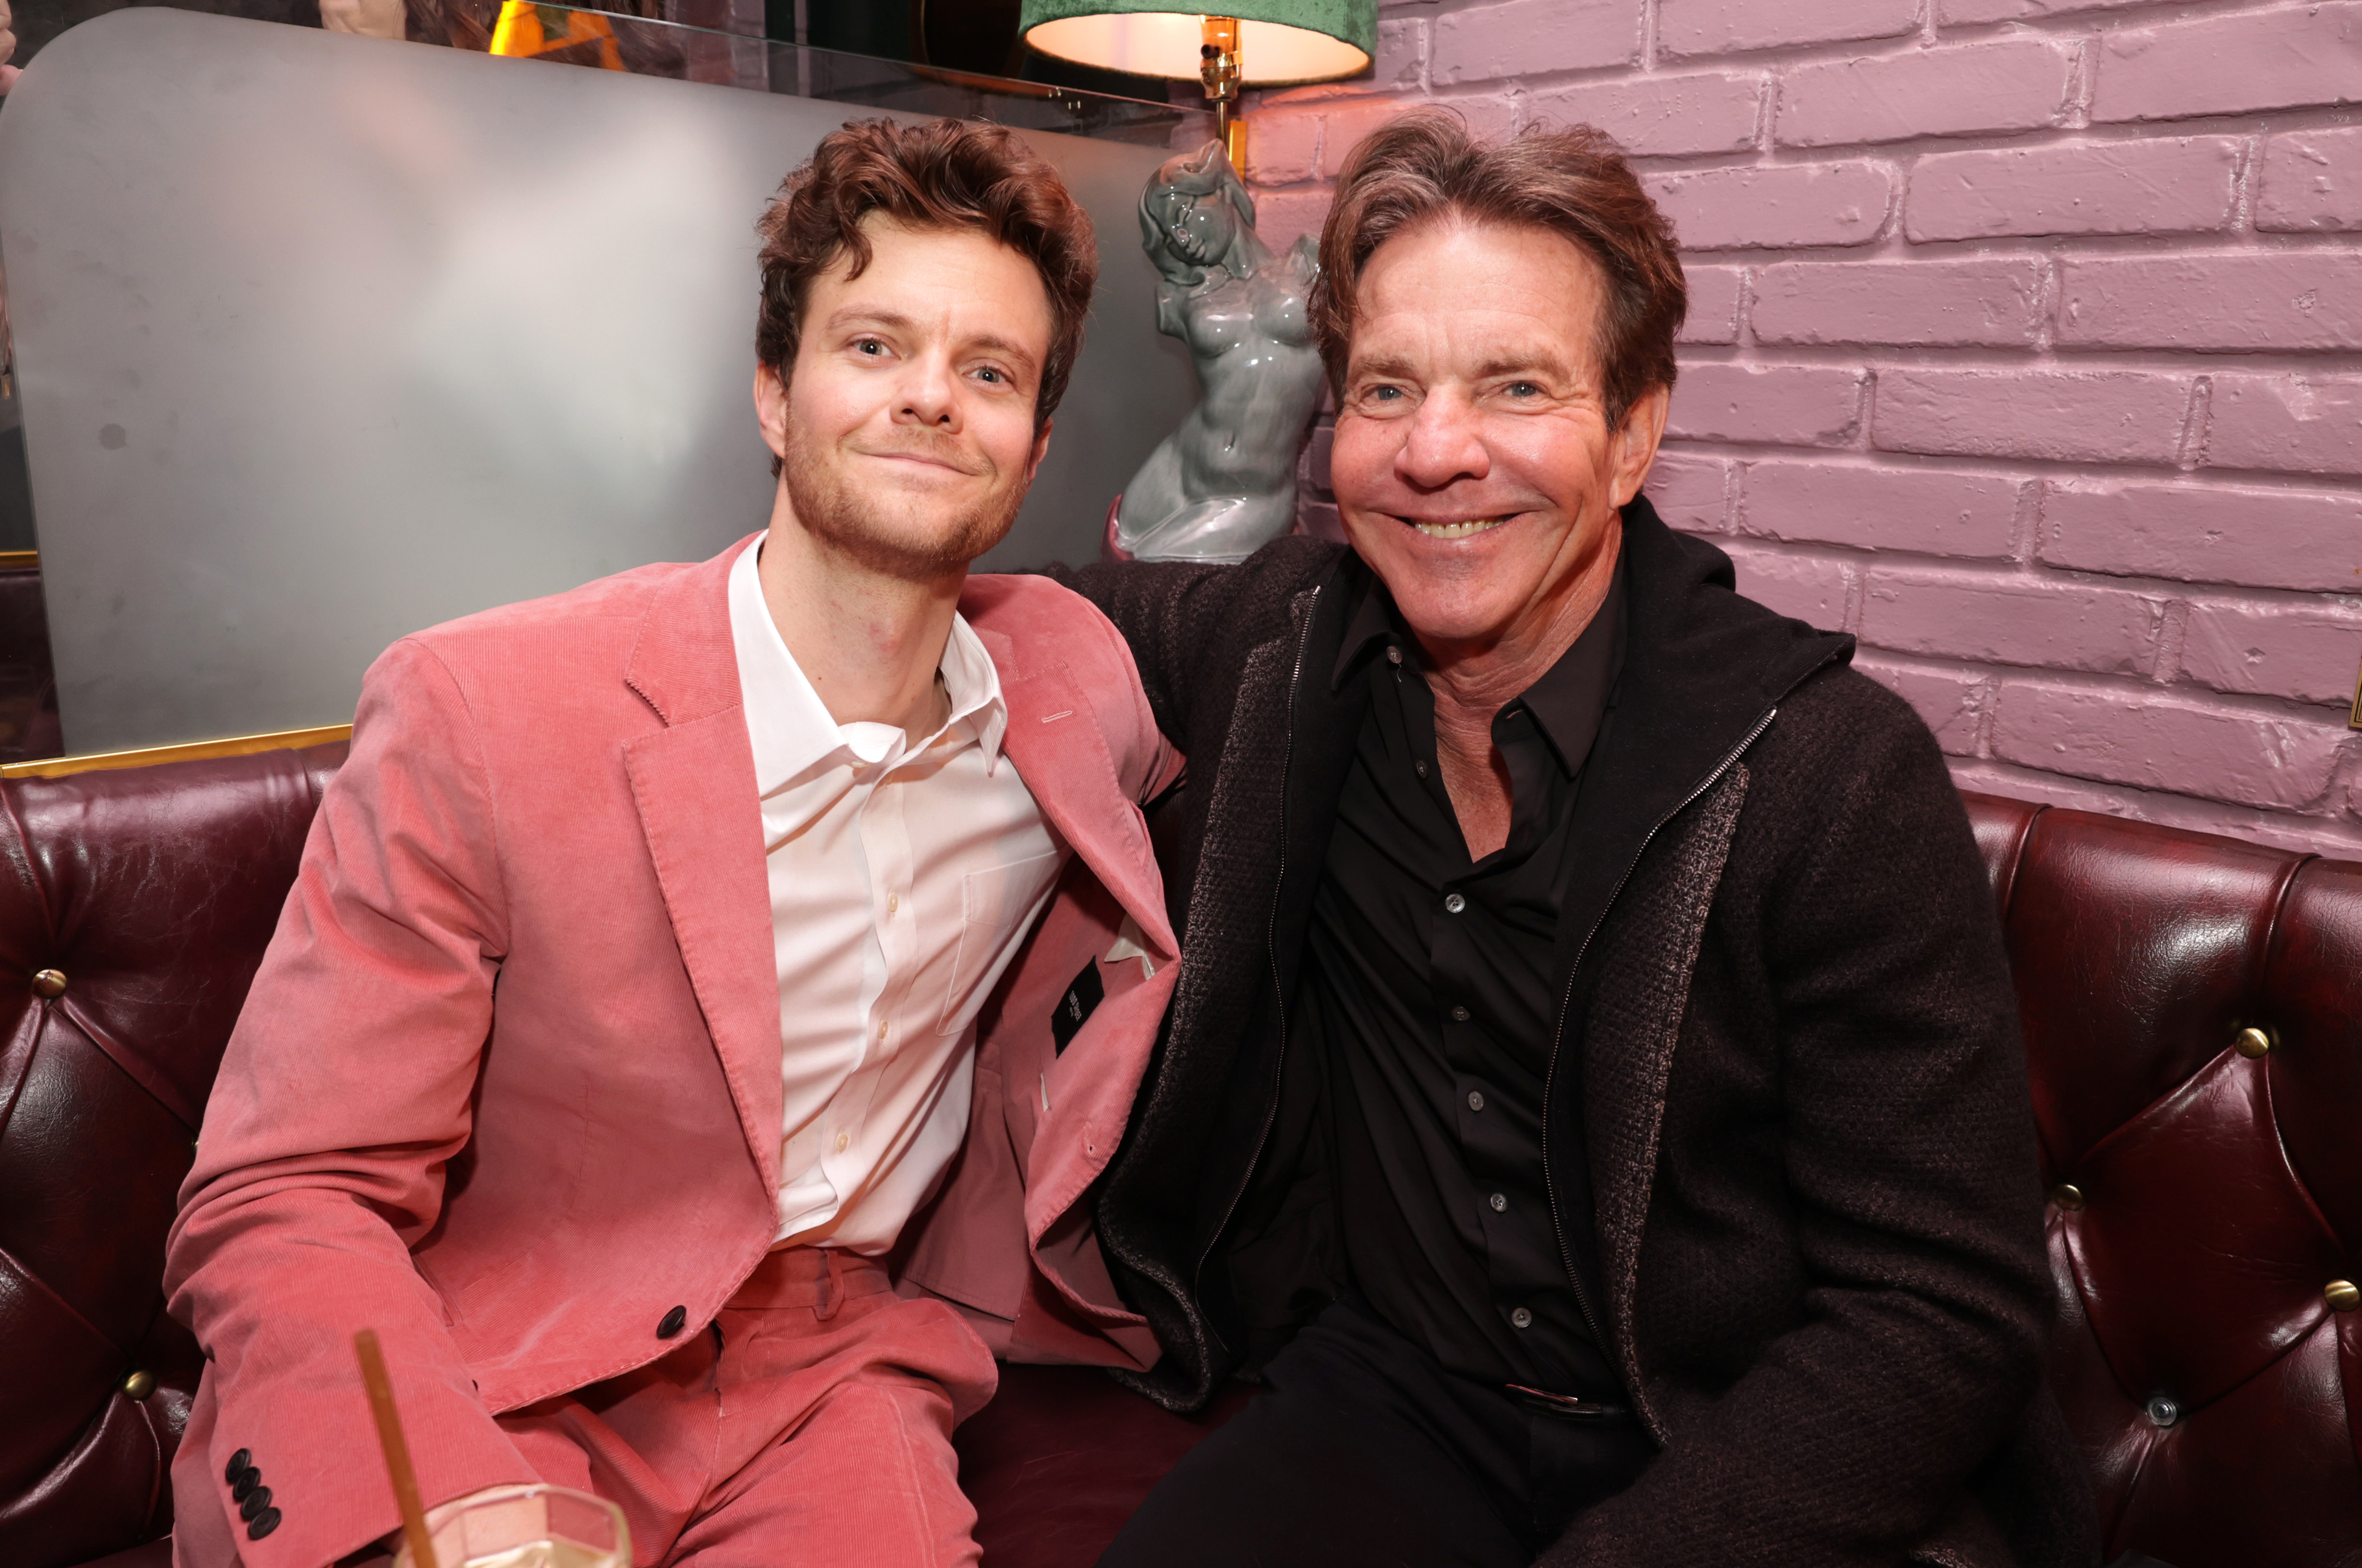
pixel 673 1321
pixel 1475 1099
pixel 264 1523
pixel 1500 1202
pixel 1522 1318
pixel 1459 1015
pixel 1454 902
pixel 254 1505
pixel 238 1463
pixel 248 1480
pixel 1420 769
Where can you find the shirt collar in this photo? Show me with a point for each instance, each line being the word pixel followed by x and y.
pixel 789 726
pixel 1568 701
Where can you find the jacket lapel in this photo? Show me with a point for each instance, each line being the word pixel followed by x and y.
pixel 693 784
pixel 1704 670
pixel 1054 742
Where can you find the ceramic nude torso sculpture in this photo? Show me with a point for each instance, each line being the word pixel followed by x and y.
pixel 1223 484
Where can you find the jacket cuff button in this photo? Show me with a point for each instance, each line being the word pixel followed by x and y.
pixel 673 1322
pixel 264 1523
pixel 236 1466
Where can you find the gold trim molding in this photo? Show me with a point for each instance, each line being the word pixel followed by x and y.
pixel 148 756
pixel 19 560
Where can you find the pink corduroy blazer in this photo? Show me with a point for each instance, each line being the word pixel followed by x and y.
pixel 507 1086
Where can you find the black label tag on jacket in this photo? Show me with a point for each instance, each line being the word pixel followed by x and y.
pixel 1083 997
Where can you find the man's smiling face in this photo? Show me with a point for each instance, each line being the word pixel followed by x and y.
pixel 905 426
pixel 1475 467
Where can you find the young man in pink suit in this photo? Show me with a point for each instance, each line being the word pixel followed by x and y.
pixel 619 1056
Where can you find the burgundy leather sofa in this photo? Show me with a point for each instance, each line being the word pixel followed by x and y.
pixel 2194 1010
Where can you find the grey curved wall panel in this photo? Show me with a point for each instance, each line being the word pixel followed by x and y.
pixel 322 340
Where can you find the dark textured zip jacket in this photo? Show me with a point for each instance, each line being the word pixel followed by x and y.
pixel 1814 1249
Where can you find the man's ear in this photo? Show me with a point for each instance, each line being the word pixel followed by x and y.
pixel 771 410
pixel 1635 442
pixel 1041 449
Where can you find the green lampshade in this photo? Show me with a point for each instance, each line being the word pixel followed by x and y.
pixel 1280 41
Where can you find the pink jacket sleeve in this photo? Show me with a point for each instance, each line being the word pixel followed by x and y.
pixel 343 1097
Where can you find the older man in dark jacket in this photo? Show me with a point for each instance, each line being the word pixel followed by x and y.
pixel 1592 1101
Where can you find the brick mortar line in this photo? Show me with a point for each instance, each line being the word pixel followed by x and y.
pixel 2273 479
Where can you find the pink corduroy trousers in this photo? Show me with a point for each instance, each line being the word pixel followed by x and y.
pixel 811 1423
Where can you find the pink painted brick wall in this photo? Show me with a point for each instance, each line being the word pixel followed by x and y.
pixel 2025 344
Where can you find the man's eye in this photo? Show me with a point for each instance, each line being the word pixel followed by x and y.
pixel 1385 394
pixel 869 346
pixel 1524 388
pixel 989 374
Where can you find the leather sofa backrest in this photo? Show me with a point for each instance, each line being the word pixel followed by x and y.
pixel 2193 1008
pixel 143 900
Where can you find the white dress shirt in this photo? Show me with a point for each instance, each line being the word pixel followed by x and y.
pixel 903 878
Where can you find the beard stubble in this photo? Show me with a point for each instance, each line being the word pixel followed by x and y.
pixel 877 533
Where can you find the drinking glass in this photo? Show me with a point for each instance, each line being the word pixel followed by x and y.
pixel 530 1527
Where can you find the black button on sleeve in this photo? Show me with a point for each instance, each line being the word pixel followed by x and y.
pixel 672 1323
pixel 248 1480
pixel 264 1523
pixel 238 1463
pixel 255 1504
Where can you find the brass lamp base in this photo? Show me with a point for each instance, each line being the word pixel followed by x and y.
pixel 1219 70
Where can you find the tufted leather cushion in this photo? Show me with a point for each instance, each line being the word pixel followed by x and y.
pixel 2220 1193
pixel 2202 1199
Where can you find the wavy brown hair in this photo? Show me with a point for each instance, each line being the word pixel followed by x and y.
pixel 1426 165
pixel 939 174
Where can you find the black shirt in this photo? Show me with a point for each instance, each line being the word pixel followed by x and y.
pixel 1428 985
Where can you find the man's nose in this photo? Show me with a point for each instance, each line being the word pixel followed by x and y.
pixel 1442 444
pixel 929 394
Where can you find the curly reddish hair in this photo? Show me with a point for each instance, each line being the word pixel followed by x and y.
pixel 938 174
pixel 1426 165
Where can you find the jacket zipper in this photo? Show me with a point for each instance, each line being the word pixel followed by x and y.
pixel 1566 1005
pixel 1271 948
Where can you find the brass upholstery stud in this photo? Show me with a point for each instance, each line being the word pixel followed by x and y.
pixel 2067 1196
pixel 2340 1295
pixel 140 1385
pixel 2253 1041
pixel 49 983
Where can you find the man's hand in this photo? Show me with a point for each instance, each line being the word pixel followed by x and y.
pixel 8 73
pixel 369 18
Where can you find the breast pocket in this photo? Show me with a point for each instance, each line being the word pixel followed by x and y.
pixel 995 904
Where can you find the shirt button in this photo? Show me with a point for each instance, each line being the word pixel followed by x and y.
pixel 1459 1015
pixel 1500 1202
pixel 1394 655
pixel 1454 903
pixel 1420 769
pixel 1475 1101
pixel 893 903
pixel 843 1140
pixel 881 1032
pixel 1522 1319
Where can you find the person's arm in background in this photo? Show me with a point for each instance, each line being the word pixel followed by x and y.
pixel 368 19
pixel 8 73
